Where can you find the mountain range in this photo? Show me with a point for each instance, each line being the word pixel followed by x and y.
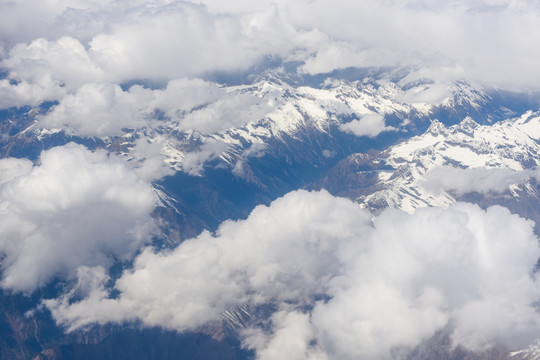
pixel 377 137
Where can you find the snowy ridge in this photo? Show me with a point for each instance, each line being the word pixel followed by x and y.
pixel 282 107
pixel 285 110
pixel 532 352
pixel 512 144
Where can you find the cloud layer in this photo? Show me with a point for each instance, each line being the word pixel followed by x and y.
pixel 489 40
pixel 74 208
pixel 356 286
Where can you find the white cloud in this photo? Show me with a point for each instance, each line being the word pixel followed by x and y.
pixel 343 284
pixel 482 180
pixel 104 109
pixel 52 19
pixel 339 55
pixel 368 125
pixel 25 93
pixel 159 41
pixel 148 160
pixel 99 110
pixel 488 43
pixel 193 162
pixel 433 94
pixel 232 110
pixel 291 338
pixel 115 42
pixel 493 42
pixel 11 168
pixel 328 153
pixel 171 41
pixel 65 61
pixel 74 208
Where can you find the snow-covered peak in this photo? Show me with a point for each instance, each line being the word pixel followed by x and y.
pixel 532 352
pixel 468 144
pixel 464 93
pixel 280 106
pixel 511 145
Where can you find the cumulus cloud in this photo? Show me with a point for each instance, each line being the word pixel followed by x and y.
pixel 492 42
pixel 148 159
pixel 482 180
pixel 12 168
pixel 159 41
pixel 466 37
pixel 368 125
pixel 75 207
pixel 65 61
pixel 342 283
pixel 230 111
pixel 52 19
pixel 105 109
pixel 99 110
pixel 31 94
pixel 173 40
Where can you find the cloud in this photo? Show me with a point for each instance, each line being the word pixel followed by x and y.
pixel 99 110
pixel 25 93
pixel 357 286
pixel 173 40
pixel 231 110
pixel 105 109
pixel 448 35
pixel 340 55
pixel 193 162
pixel 75 207
pixel 256 150
pixel 148 159
pixel 430 93
pixel 368 125
pixel 52 19
pixel 482 180
pixel 491 42
pixel 158 41
pixel 12 168
pixel 65 61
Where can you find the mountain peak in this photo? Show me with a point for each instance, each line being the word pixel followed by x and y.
pixel 277 77
pixel 436 127
pixel 468 125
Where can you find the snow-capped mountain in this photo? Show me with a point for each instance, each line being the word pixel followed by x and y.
pixel 532 352
pixel 407 175
pixel 277 132
pixel 285 109
pixel 284 132
pixel 276 106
